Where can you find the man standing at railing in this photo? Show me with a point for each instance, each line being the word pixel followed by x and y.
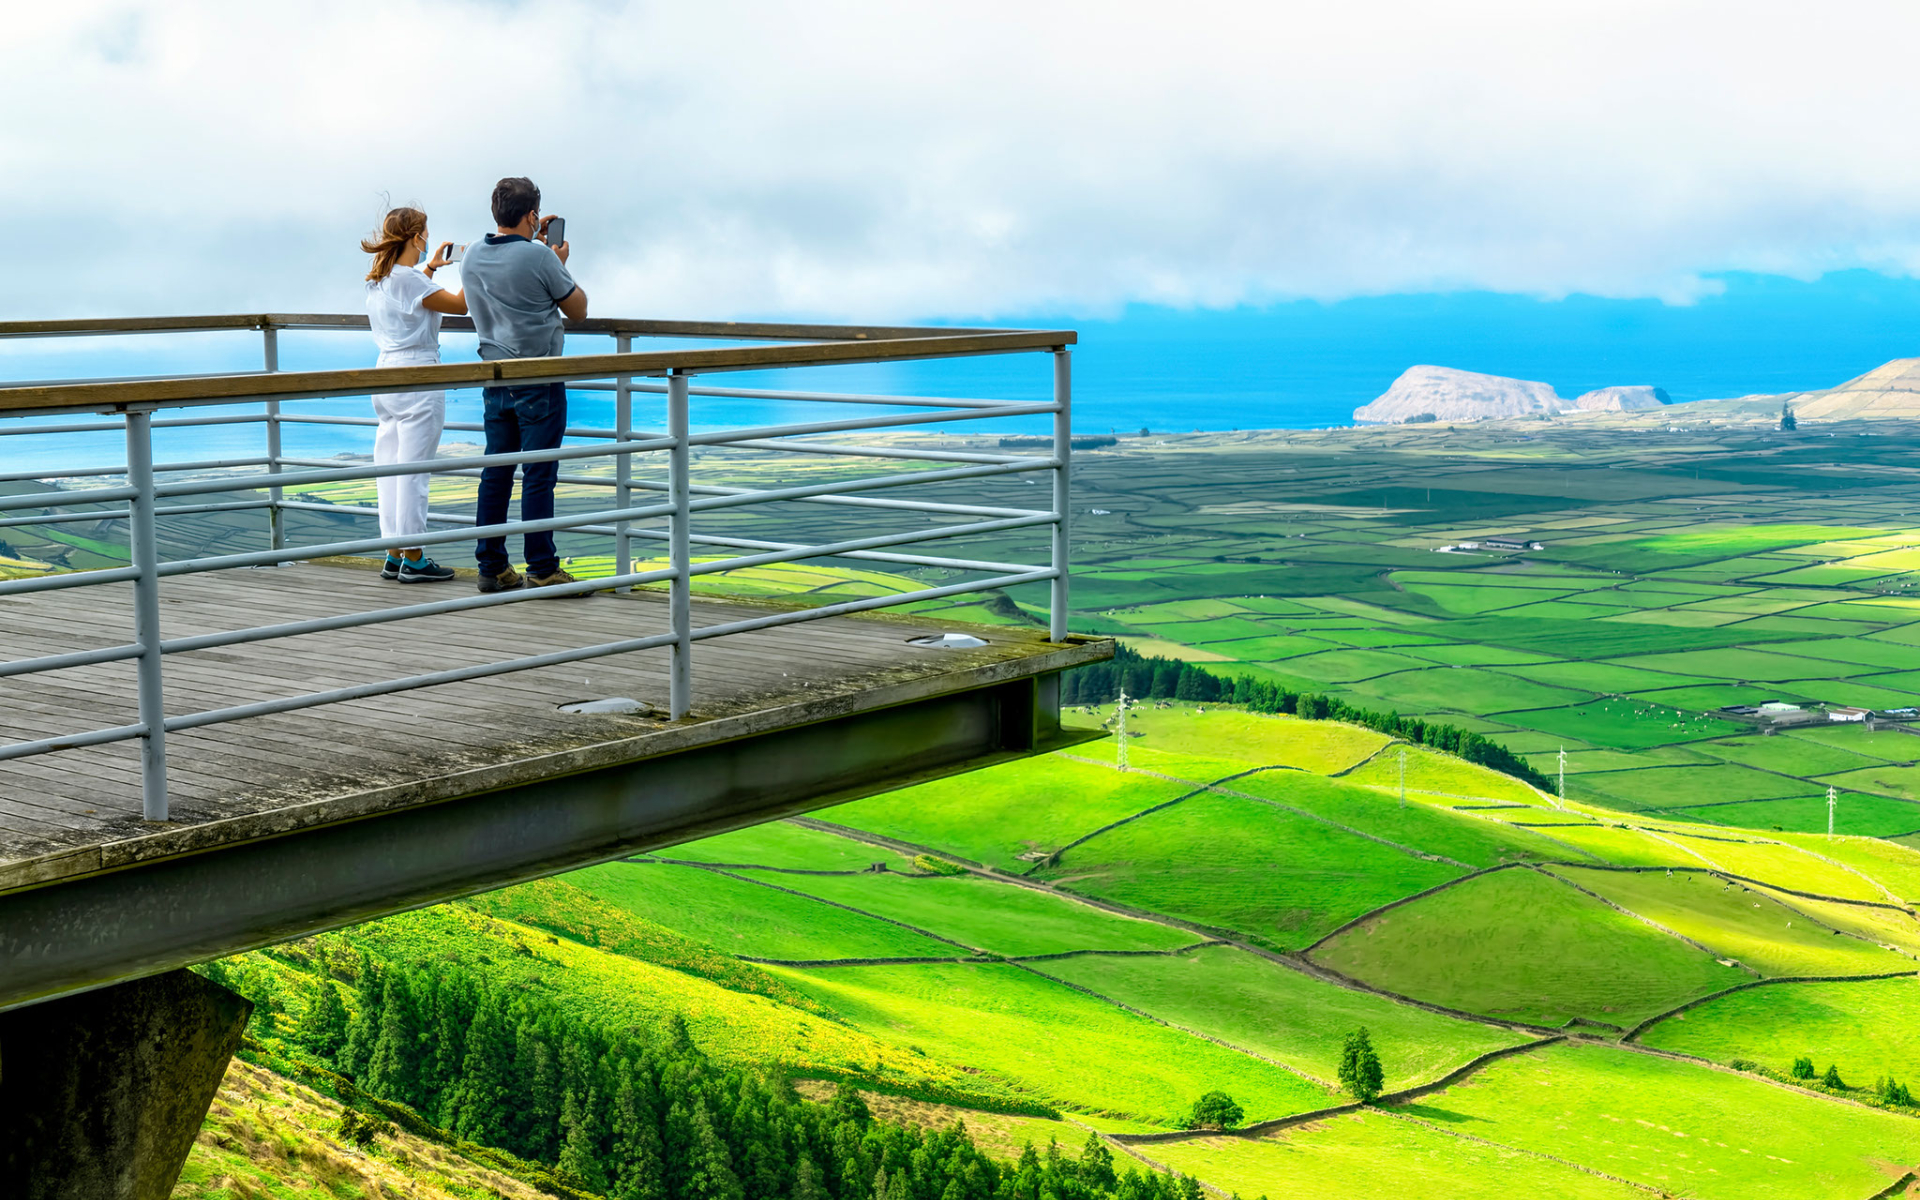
pixel 517 290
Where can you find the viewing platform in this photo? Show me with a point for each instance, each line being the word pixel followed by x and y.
pixel 247 735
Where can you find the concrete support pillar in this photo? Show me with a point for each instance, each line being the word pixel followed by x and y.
pixel 102 1093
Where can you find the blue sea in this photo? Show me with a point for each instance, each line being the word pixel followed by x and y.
pixel 1301 364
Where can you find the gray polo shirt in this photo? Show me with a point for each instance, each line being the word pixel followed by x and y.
pixel 514 288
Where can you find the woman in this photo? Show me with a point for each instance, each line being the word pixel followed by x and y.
pixel 404 307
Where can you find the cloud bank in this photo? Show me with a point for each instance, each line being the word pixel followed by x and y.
pixel 894 161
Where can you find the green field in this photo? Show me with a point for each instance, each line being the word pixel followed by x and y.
pixel 1736 922
pixel 1210 859
pixel 747 919
pixel 1281 1013
pixel 1328 1157
pixel 1867 1029
pixel 784 844
pixel 1519 945
pixel 1672 1125
pixel 1050 1040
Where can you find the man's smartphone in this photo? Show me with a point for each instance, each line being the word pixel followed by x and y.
pixel 556 232
pixel 455 252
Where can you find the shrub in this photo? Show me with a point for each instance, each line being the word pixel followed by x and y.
pixel 360 1129
pixel 1216 1110
pixel 1832 1078
pixel 1803 1068
pixel 937 866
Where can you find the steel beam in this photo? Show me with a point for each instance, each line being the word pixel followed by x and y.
pixel 154 916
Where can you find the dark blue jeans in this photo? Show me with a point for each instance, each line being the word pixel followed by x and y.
pixel 519 419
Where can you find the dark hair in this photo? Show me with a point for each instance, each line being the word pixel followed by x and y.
pixel 513 199
pixel 397 228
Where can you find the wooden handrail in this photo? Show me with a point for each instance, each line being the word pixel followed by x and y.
pixel 290 385
pixel 747 330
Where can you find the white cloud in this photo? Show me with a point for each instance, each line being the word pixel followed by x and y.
pixel 884 160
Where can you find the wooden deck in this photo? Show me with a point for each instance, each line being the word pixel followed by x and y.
pixel 78 812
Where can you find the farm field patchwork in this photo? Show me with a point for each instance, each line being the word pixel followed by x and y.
pixel 1868 1029
pixel 1327 1157
pixel 1664 1124
pixel 1282 1013
pixel 1520 945
pixel 1209 860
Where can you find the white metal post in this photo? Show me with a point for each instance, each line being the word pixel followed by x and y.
pixel 680 602
pixel 1120 742
pixel 276 532
pixel 1833 801
pixel 145 557
pixel 623 464
pixel 1062 480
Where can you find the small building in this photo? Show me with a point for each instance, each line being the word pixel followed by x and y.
pixel 1740 710
pixel 1778 708
pixel 1900 714
pixel 1846 713
pixel 1510 544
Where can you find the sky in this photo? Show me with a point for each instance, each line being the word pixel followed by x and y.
pixel 885 161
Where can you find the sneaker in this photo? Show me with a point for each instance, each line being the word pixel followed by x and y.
pixel 423 570
pixel 559 576
pixel 392 568
pixel 505 581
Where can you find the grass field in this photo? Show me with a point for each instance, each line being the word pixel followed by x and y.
pixel 1210 859
pixel 996 917
pixel 784 844
pixel 1867 1029
pixel 1328 1157
pixel 1744 924
pixel 1431 771
pixel 1666 1124
pixel 1519 945
pixel 1051 1041
pixel 994 816
pixel 1281 1013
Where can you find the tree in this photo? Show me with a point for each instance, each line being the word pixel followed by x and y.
pixel 1787 419
pixel 1803 1068
pixel 806 1181
pixel 1096 1164
pixel 1832 1078
pixel 393 1068
pixel 1360 1071
pixel 1215 1110
pixel 324 1029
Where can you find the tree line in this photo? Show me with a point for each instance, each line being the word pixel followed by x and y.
pixel 1151 677
pixel 637 1114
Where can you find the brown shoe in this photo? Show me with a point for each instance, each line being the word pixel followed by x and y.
pixel 558 577
pixel 505 581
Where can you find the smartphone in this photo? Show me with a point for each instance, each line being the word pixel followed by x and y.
pixel 556 232
pixel 455 252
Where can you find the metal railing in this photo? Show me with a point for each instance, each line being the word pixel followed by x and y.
pixel 670 497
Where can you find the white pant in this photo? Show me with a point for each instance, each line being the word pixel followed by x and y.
pixel 410 424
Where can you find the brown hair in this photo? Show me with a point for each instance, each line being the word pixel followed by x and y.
pixel 400 226
pixel 513 198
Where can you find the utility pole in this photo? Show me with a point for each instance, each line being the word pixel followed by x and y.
pixel 1121 732
pixel 1833 801
pixel 1563 777
pixel 1403 777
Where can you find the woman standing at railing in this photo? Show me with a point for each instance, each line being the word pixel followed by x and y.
pixel 404 306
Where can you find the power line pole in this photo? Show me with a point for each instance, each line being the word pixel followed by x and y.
pixel 1403 777
pixel 1833 801
pixel 1563 777
pixel 1121 751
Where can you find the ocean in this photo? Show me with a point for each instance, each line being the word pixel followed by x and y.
pixel 1299 364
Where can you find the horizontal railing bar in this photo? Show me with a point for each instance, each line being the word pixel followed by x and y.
pixel 926 506
pixel 67 499
pixel 119 427
pixel 456 426
pixel 67 579
pixel 422 467
pixel 267 558
pixel 382 616
pixel 773 495
pixel 113 514
pixel 225 322
pixel 20 383
pixel 837 549
pixel 212 464
pixel 839 449
pixel 918 560
pixel 73 741
pixel 76 658
pixel 853 606
pixel 763 432
pixel 388 687
pixel 812 397
pixel 510 372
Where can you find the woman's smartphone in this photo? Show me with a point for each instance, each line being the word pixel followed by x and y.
pixel 455 253
pixel 556 231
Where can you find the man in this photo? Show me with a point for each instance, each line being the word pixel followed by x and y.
pixel 517 290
